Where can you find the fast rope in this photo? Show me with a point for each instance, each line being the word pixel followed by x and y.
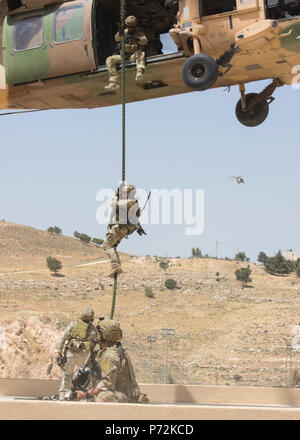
pixel 122 18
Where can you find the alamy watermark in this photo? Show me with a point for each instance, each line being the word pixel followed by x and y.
pixel 164 207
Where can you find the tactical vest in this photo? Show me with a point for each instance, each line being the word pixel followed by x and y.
pixel 81 334
pixel 125 208
pixel 80 330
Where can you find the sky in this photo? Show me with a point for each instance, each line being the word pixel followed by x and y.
pixel 54 163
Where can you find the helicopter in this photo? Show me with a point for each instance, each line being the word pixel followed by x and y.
pixel 53 52
pixel 239 179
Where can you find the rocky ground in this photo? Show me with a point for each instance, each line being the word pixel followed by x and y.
pixel 223 333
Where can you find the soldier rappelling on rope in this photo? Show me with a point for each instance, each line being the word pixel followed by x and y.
pixel 124 221
pixel 135 43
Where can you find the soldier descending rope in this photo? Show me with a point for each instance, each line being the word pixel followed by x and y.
pixel 123 222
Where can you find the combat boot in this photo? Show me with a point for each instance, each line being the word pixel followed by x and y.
pixel 112 86
pixel 115 271
pixel 139 77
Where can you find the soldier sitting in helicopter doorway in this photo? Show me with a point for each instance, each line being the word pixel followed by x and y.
pixel 124 220
pixel 135 43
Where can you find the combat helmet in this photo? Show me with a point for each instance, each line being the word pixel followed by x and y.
pixel 129 188
pixel 131 21
pixel 111 330
pixel 87 314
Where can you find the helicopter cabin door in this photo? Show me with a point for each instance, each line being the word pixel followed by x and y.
pixel 48 43
pixel 224 18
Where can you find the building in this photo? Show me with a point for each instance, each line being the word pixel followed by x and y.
pixel 291 255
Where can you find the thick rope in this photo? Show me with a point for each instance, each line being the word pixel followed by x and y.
pixel 113 305
pixel 122 17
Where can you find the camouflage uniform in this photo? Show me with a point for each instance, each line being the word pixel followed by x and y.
pixel 123 223
pixel 79 335
pixel 175 32
pixel 118 382
pixel 136 41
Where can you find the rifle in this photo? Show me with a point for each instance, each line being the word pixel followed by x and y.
pixel 139 229
pixel 61 359
pixel 89 370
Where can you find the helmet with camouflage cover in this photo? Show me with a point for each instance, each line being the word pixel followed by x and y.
pixel 131 21
pixel 111 330
pixel 129 188
pixel 87 314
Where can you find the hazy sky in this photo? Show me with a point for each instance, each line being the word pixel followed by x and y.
pixel 53 164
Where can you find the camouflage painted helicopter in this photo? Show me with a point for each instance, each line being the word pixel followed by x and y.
pixel 53 52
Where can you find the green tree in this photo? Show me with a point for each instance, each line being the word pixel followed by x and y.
pixel 171 284
pixel 262 258
pixel 278 265
pixel 240 256
pixel 243 275
pixel 164 265
pixel 196 253
pixel 76 234
pixel 298 270
pixel 53 264
pixel 54 230
pixel 98 241
pixel 85 238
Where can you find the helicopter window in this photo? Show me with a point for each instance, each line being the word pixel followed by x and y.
pixel 277 9
pixel 211 7
pixel 28 33
pixel 68 24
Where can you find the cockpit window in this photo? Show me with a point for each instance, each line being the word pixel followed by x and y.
pixel 68 24
pixel 211 7
pixel 28 33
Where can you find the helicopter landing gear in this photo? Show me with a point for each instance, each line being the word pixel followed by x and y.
pixel 200 72
pixel 252 109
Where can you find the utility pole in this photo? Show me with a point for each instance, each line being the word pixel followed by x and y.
pixel 166 332
pixel 291 366
pixel 150 339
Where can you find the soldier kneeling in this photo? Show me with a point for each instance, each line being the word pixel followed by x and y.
pixel 118 382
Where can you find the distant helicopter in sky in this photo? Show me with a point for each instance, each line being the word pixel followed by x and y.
pixel 240 179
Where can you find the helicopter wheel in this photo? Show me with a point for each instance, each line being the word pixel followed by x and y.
pixel 200 72
pixel 255 115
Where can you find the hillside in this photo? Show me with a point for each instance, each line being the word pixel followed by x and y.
pixel 23 247
pixel 224 334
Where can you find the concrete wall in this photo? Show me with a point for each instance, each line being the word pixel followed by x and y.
pixel 170 394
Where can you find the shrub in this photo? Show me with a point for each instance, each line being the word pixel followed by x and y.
pixel 243 275
pixel 149 292
pixel 98 241
pixel 171 284
pixel 54 230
